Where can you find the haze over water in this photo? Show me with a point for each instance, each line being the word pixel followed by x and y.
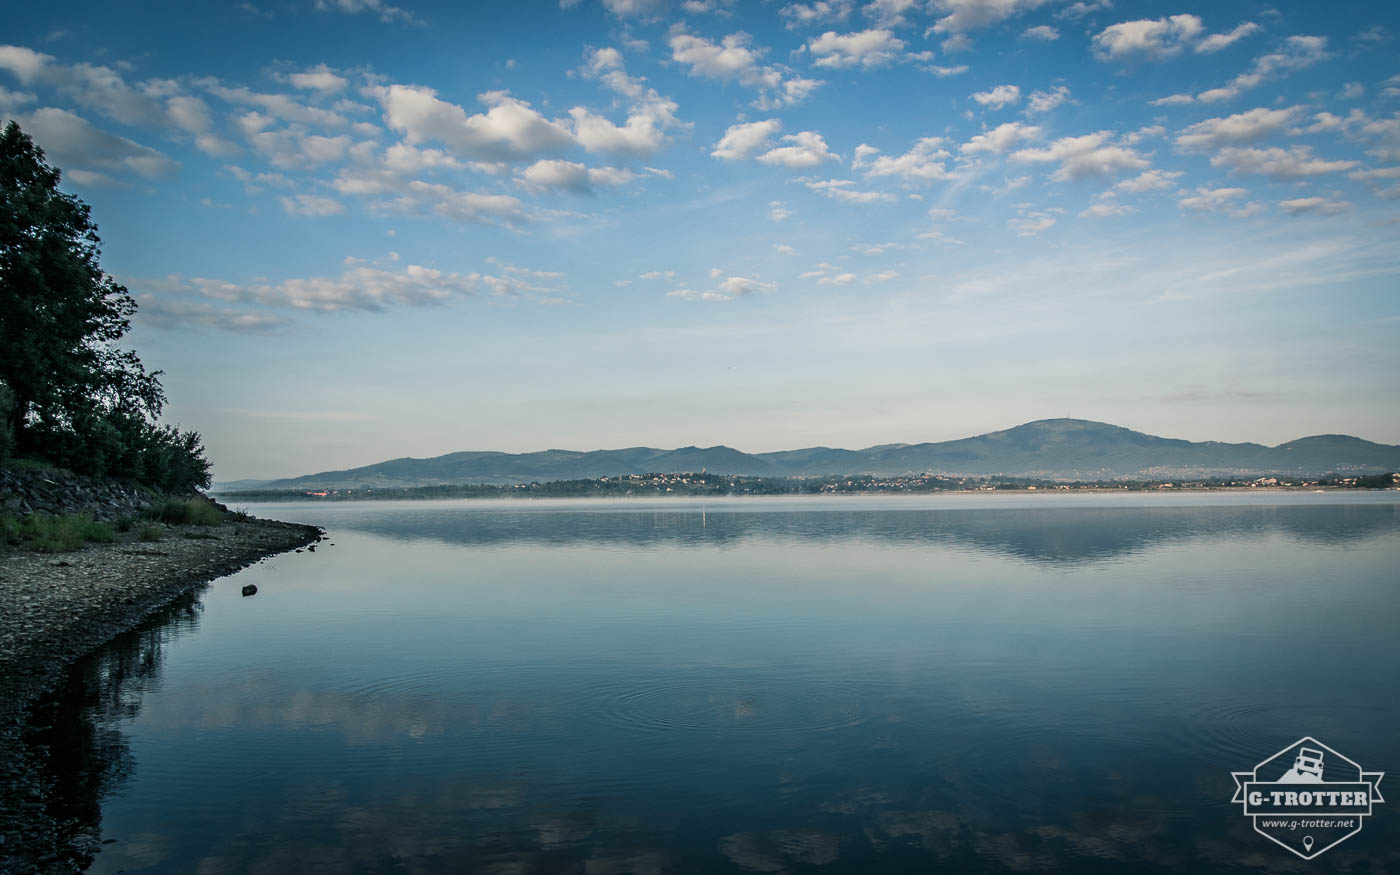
pixel 961 683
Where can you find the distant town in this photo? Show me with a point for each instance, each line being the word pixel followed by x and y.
pixel 702 484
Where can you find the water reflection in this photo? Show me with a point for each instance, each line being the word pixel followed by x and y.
pixel 1056 535
pixel 79 724
pixel 823 690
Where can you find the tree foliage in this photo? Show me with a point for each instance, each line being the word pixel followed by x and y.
pixel 68 393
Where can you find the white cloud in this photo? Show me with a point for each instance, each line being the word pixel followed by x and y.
pixel 292 147
pixel 1241 127
pixel 958 42
pixel 730 59
pixel 1031 224
pixel 641 136
pixel 1316 205
pixel 1044 101
pixel 394 193
pixel 784 249
pixel 778 211
pixel 1147 38
pixel 691 294
pixel 817 12
pixel 1086 156
pixel 1296 162
pixel 1297 53
pixel 965 15
pixel 829 275
pixel 1217 41
pixel 891 13
pixel 167 313
pixel 509 131
pixel 739 286
pixel 708 7
pixel 1220 200
pixel 1043 33
pixel 319 78
pixel 363 288
pixel 24 63
pixel 866 49
pixel 73 143
pixel 1353 90
pixel 840 189
pixel 733 59
pixel 1001 138
pixel 572 176
pixel 649 116
pixel 742 140
pixel 312 205
pixel 279 106
pixel 803 149
pixel 1078 10
pixel 944 72
pixel 633 8
pixel 382 10
pixel 156 103
pixel 924 162
pixel 11 100
pixel 1105 208
pixel 408 160
pixel 1143 133
pixel 998 97
pixel 1149 180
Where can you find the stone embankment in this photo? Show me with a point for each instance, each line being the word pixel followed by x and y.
pixel 58 492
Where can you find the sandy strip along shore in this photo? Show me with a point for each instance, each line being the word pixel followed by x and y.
pixel 56 608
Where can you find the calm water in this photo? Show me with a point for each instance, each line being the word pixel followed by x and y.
pixel 961 684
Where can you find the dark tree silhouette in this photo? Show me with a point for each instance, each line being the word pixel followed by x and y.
pixel 68 394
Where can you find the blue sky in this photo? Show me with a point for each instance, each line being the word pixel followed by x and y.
pixel 360 230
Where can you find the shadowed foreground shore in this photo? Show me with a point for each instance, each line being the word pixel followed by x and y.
pixel 56 608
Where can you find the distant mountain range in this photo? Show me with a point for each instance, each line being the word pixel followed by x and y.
pixel 1049 448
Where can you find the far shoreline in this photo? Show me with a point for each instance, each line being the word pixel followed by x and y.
pixel 234 500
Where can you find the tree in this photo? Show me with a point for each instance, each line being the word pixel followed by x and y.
pixel 75 397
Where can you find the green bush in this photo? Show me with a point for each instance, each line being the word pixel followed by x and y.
pixel 185 512
pixel 10 529
pixel 59 534
pixel 151 532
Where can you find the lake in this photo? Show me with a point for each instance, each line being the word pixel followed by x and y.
pixel 934 684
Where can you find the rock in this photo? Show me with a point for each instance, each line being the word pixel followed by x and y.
pixel 250 589
pixel 311 549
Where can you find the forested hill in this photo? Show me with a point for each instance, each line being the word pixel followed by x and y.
pixel 1050 448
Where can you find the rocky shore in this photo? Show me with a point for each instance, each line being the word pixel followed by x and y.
pixel 56 608
pixel 55 491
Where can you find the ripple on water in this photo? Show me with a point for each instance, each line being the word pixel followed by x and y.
pixel 733 700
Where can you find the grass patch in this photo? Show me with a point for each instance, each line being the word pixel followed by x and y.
pixel 200 536
pixel 185 512
pixel 46 533
pixel 29 465
pixel 151 532
pixel 10 529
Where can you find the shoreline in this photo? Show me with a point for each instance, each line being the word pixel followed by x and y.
pixel 234 500
pixel 60 607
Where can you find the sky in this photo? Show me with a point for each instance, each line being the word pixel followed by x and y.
pixel 361 231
